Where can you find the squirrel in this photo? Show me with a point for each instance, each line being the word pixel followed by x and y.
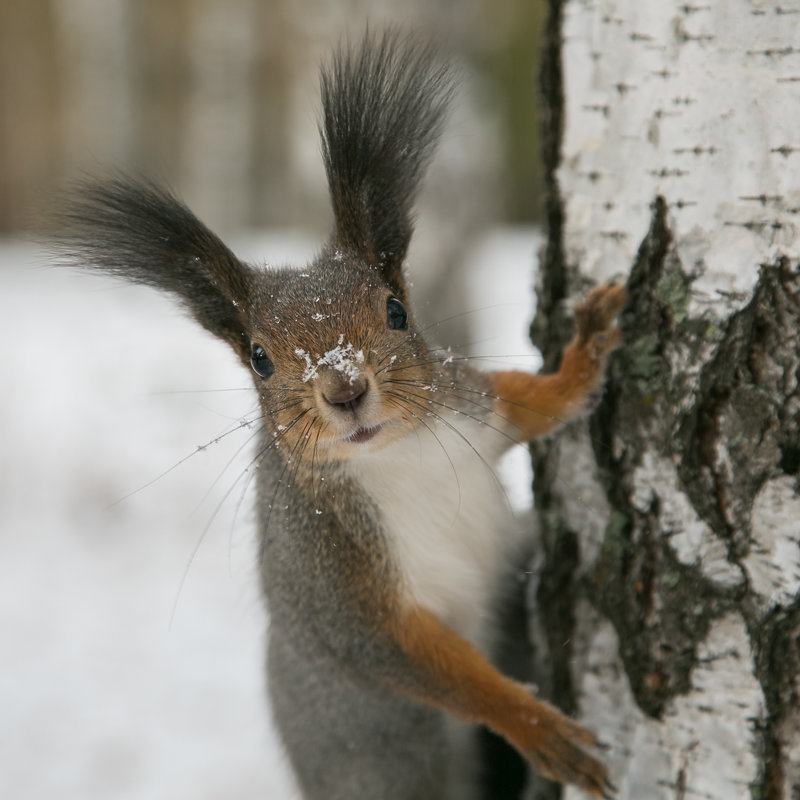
pixel 383 536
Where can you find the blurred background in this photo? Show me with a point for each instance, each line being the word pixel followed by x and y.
pixel 131 630
pixel 217 98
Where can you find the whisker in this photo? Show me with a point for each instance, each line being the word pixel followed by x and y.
pixel 439 441
pixel 293 463
pixel 255 463
pixel 242 423
pixel 552 417
pixel 303 441
pixel 439 389
pixel 454 388
pixel 464 438
pixel 222 415
pixel 200 391
pixel 461 314
pixel 286 463
pixel 217 510
pixel 196 549
pixel 225 469
pixel 460 348
pixel 314 458
pixel 449 358
pixel 460 388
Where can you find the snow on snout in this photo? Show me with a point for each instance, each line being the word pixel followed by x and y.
pixel 344 359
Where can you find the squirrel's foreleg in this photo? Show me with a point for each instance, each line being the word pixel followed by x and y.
pixel 536 404
pixel 451 674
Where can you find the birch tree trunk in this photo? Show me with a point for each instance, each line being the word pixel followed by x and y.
pixel 667 606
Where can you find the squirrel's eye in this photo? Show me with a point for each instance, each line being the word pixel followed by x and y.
pixel 396 315
pixel 260 362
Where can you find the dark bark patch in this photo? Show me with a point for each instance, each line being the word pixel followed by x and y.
pixel 551 328
pixel 747 408
pixel 776 640
pixel 661 608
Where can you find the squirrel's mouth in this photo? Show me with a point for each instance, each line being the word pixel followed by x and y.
pixel 363 434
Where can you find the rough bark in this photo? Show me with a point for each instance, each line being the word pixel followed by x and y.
pixel 666 610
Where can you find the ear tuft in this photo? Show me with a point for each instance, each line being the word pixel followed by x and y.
pixel 383 104
pixel 140 232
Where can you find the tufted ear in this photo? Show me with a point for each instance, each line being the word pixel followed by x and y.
pixel 140 232
pixel 383 107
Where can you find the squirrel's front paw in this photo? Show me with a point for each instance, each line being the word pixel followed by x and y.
pixel 559 755
pixel 594 320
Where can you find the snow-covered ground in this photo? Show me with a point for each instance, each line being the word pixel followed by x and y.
pixel 131 630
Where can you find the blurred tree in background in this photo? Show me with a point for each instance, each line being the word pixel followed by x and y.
pixel 217 99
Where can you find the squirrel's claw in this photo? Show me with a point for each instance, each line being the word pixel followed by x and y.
pixel 594 317
pixel 609 791
pixel 560 755
pixel 565 762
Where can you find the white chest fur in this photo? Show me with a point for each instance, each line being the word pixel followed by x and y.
pixel 446 517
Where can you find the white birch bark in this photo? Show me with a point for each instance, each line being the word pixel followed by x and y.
pixel 679 172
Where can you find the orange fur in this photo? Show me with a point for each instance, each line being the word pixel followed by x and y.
pixel 454 676
pixel 536 404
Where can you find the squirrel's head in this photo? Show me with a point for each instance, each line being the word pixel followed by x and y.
pixel 334 349
pixel 338 361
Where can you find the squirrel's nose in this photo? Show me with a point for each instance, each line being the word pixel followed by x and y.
pixel 347 396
